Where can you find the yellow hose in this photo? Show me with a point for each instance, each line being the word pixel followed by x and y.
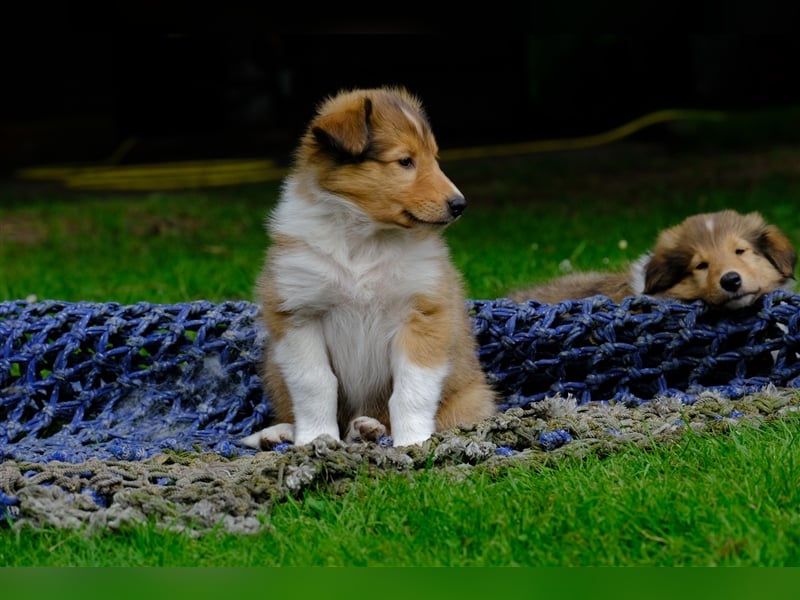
pixel 212 173
pixel 588 141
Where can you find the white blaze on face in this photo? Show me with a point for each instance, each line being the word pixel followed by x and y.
pixel 414 121
pixel 710 225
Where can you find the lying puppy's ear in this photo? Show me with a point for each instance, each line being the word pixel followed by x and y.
pixel 345 133
pixel 777 248
pixel 663 271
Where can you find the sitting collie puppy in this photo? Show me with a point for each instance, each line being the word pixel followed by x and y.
pixel 366 314
pixel 724 258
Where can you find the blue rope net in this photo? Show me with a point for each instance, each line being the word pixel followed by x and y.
pixel 82 380
pixel 110 381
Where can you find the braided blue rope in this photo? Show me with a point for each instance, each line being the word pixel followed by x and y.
pixel 103 380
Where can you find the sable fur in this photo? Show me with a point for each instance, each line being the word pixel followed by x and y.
pixel 367 321
pixel 724 258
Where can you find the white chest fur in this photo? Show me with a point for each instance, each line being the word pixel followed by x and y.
pixel 355 279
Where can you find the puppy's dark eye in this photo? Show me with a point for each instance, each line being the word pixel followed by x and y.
pixel 406 162
pixel 701 266
pixel 740 251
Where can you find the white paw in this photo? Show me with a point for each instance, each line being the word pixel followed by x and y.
pixel 414 440
pixel 270 437
pixel 364 429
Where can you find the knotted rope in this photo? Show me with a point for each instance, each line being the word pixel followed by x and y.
pixel 109 411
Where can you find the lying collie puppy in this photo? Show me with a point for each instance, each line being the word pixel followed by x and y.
pixel 724 258
pixel 366 314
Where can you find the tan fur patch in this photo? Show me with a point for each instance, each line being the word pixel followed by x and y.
pixel 427 334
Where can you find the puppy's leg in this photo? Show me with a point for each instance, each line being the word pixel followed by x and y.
pixel 269 437
pixel 420 364
pixel 302 358
pixel 414 401
pixel 364 428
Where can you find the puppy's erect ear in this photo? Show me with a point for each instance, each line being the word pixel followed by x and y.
pixel 345 132
pixel 663 271
pixel 773 244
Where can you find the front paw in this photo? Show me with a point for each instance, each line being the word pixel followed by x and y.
pixel 364 429
pixel 270 437
pixel 400 441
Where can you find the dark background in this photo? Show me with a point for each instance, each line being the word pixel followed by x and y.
pixel 182 92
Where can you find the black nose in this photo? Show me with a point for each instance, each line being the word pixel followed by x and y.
pixel 456 204
pixel 730 281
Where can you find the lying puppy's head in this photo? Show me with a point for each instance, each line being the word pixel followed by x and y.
pixel 724 258
pixel 375 148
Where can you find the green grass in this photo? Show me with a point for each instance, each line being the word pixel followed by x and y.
pixel 157 248
pixel 729 499
pixel 705 500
